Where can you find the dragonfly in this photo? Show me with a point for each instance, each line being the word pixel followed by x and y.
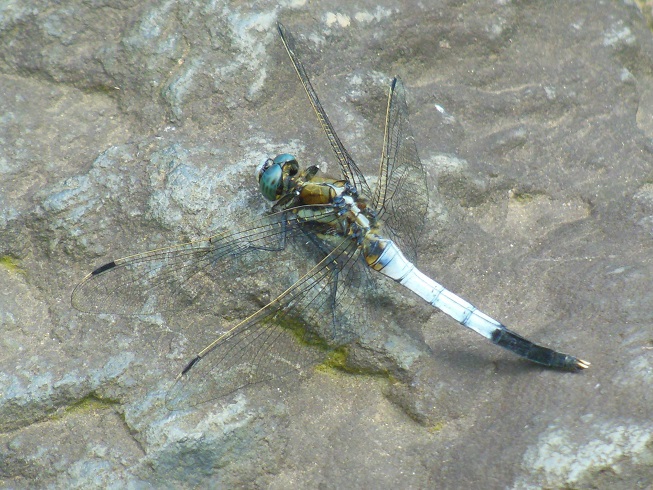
pixel 338 236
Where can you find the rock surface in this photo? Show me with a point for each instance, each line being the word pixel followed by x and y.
pixel 126 128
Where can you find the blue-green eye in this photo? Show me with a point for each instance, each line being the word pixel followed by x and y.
pixel 284 158
pixel 272 175
pixel 270 180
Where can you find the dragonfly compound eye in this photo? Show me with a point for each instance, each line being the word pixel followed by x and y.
pixel 270 180
pixel 262 167
pixel 288 162
pixel 284 158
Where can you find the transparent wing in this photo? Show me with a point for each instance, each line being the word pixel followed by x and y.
pixel 401 196
pixel 173 278
pixel 321 311
pixel 294 331
pixel 348 168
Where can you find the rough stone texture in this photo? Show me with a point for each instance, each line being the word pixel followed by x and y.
pixel 126 127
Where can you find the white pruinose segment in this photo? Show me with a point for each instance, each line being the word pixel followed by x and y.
pixel 395 265
pixel 360 218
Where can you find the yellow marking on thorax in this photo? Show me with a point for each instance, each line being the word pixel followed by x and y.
pixel 313 193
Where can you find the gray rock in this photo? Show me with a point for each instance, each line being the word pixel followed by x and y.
pixel 128 127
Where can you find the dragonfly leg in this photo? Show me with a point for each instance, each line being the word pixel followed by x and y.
pixel 282 236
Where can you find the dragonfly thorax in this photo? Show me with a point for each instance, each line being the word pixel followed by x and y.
pixel 280 180
pixel 346 215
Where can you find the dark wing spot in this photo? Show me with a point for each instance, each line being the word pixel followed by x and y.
pixel 103 268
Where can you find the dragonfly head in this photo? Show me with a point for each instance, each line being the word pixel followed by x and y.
pixel 275 175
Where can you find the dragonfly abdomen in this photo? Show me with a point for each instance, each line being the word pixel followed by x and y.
pixel 385 257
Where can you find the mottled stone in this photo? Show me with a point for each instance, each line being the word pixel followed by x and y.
pixel 128 126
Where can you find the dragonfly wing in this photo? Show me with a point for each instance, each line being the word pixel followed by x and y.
pixel 292 332
pixel 401 196
pixel 174 278
pixel 349 169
